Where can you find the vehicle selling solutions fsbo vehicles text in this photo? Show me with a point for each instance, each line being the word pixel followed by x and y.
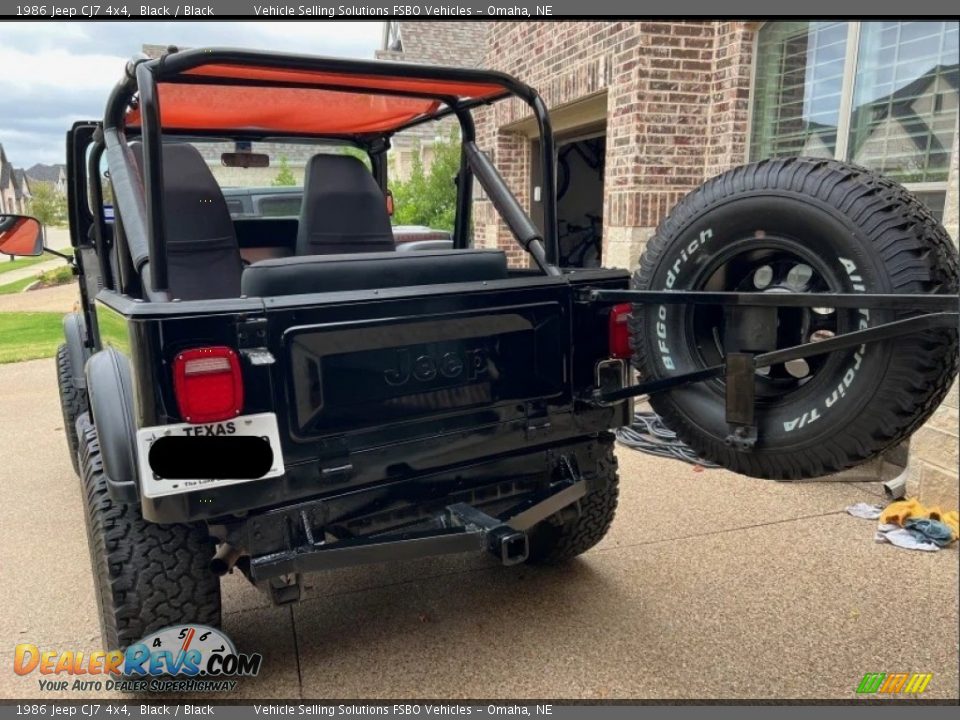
pixel 402 10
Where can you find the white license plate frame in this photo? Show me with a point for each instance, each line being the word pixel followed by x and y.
pixel 259 424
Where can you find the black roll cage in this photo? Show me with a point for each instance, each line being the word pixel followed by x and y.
pixel 142 199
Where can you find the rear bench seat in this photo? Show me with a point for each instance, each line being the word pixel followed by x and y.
pixel 369 271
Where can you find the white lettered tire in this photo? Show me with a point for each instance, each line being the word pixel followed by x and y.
pixel 804 225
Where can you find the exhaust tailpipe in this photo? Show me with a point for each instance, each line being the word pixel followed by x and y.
pixel 225 558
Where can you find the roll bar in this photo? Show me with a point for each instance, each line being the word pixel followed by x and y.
pixel 144 217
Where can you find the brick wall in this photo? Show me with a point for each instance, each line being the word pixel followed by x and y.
pixel 663 139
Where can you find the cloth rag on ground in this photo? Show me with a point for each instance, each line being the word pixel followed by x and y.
pixel 900 512
pixel 903 538
pixel 933 530
pixel 911 525
pixel 865 511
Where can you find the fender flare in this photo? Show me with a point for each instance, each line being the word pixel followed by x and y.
pixel 75 333
pixel 110 389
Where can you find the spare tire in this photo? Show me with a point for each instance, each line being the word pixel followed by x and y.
pixel 798 225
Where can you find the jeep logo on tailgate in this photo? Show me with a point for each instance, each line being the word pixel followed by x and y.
pixel 411 372
pixel 424 367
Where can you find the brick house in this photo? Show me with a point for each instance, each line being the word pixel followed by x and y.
pixel 460 44
pixel 645 111
pixel 21 189
pixel 8 202
pixel 14 188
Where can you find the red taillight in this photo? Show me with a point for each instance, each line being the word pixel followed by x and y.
pixel 208 384
pixel 620 331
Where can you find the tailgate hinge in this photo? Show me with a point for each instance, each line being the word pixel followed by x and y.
pixel 252 340
pixel 334 459
pixel 538 419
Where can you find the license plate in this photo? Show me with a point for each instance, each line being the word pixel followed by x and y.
pixel 263 425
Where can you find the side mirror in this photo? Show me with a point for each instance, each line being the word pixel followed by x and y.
pixel 20 235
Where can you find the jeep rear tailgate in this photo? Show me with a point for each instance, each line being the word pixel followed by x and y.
pixel 398 368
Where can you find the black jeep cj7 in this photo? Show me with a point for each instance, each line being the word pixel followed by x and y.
pixel 288 394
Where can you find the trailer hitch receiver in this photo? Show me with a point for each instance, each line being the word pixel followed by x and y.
pixel 511 546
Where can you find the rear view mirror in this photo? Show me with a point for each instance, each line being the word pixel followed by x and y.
pixel 20 235
pixel 245 159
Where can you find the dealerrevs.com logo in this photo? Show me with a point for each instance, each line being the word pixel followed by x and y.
pixel 180 658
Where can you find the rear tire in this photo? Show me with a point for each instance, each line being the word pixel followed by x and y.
pixel 73 402
pixel 147 576
pixel 808 225
pixel 553 544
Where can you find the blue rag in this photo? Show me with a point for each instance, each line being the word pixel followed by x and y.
pixel 933 530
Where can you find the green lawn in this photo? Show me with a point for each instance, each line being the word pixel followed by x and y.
pixel 19 263
pixel 29 335
pixel 7 265
pixel 17 285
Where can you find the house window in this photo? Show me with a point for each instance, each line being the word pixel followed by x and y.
pixel 880 94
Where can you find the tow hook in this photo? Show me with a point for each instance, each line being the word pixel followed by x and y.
pixel 511 546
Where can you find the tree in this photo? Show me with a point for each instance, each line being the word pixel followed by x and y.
pixel 285 175
pixel 356 152
pixel 106 189
pixel 430 197
pixel 47 205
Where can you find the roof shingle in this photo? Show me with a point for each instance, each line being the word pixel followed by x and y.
pixel 45 173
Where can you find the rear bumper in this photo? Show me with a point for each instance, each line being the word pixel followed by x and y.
pixel 487 508
pixel 461 528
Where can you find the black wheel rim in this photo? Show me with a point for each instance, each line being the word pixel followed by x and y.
pixel 772 265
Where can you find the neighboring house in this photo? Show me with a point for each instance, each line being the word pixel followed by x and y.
pixel 14 189
pixel 53 175
pixel 460 44
pixel 645 111
pixel 8 196
pixel 21 188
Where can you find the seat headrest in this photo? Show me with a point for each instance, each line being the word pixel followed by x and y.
pixel 196 213
pixel 202 251
pixel 343 210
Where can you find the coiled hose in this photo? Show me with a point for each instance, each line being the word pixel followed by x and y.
pixel 648 434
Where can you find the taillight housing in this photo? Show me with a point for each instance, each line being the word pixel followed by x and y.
pixel 620 331
pixel 208 384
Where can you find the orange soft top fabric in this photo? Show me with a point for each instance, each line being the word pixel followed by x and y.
pixel 205 104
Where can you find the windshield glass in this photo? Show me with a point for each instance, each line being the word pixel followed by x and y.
pixel 264 178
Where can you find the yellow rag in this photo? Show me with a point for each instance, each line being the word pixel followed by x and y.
pixel 899 512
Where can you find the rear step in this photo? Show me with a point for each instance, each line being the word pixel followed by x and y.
pixel 462 528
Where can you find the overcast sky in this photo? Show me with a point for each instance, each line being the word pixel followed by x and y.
pixel 52 73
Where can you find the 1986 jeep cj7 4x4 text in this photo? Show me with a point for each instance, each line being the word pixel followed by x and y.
pixel 283 395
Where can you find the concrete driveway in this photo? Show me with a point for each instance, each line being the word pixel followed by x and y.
pixel 710 585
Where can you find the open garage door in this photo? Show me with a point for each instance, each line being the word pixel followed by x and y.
pixel 580 169
pixel 580 166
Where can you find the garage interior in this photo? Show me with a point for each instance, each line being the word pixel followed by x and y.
pixel 580 166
